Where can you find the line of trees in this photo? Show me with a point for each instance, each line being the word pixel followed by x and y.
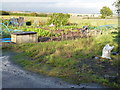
pixel 30 14
pixel 24 14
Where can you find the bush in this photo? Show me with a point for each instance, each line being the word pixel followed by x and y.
pixel 58 19
pixel 6 34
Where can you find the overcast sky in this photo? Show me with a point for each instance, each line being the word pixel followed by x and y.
pixel 64 6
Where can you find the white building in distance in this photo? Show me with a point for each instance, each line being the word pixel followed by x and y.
pixel 84 15
pixel 88 15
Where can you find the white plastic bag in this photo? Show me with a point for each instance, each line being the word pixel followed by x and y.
pixel 107 51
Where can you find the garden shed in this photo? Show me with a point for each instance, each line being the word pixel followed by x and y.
pixel 24 37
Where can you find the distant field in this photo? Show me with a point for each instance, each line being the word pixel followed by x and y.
pixel 27 18
pixel 79 21
pixel 94 22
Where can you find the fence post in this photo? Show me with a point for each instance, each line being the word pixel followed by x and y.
pixel 66 35
pixel 62 34
pixel 51 35
pixel 78 33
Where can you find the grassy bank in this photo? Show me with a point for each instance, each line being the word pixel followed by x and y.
pixel 70 60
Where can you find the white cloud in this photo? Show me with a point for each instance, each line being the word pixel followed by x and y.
pixel 71 4
pixel 81 4
pixel 33 0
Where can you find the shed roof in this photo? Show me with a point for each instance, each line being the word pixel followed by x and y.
pixel 24 33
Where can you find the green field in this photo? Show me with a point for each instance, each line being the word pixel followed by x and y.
pixel 93 22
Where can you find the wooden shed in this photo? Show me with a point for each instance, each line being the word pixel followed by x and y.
pixel 24 37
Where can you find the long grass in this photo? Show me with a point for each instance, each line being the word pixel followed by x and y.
pixel 70 60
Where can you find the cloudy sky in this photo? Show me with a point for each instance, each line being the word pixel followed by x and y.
pixel 64 6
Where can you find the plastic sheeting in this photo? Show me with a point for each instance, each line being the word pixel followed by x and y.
pixel 107 51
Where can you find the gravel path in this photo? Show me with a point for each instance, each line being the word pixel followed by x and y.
pixel 14 76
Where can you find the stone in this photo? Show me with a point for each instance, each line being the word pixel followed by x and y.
pixel 107 51
pixel 96 57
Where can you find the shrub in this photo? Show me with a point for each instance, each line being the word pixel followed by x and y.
pixel 6 34
pixel 58 19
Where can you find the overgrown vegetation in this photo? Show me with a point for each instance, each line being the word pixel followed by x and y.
pixel 71 60
pixel 117 5
pixel 41 32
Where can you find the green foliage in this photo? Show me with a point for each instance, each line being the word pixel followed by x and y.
pixel 4 31
pixel 6 34
pixel 117 5
pixel 58 19
pixel 41 32
pixel 106 11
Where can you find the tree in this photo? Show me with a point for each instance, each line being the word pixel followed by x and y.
pixel 106 11
pixel 58 19
pixel 117 5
